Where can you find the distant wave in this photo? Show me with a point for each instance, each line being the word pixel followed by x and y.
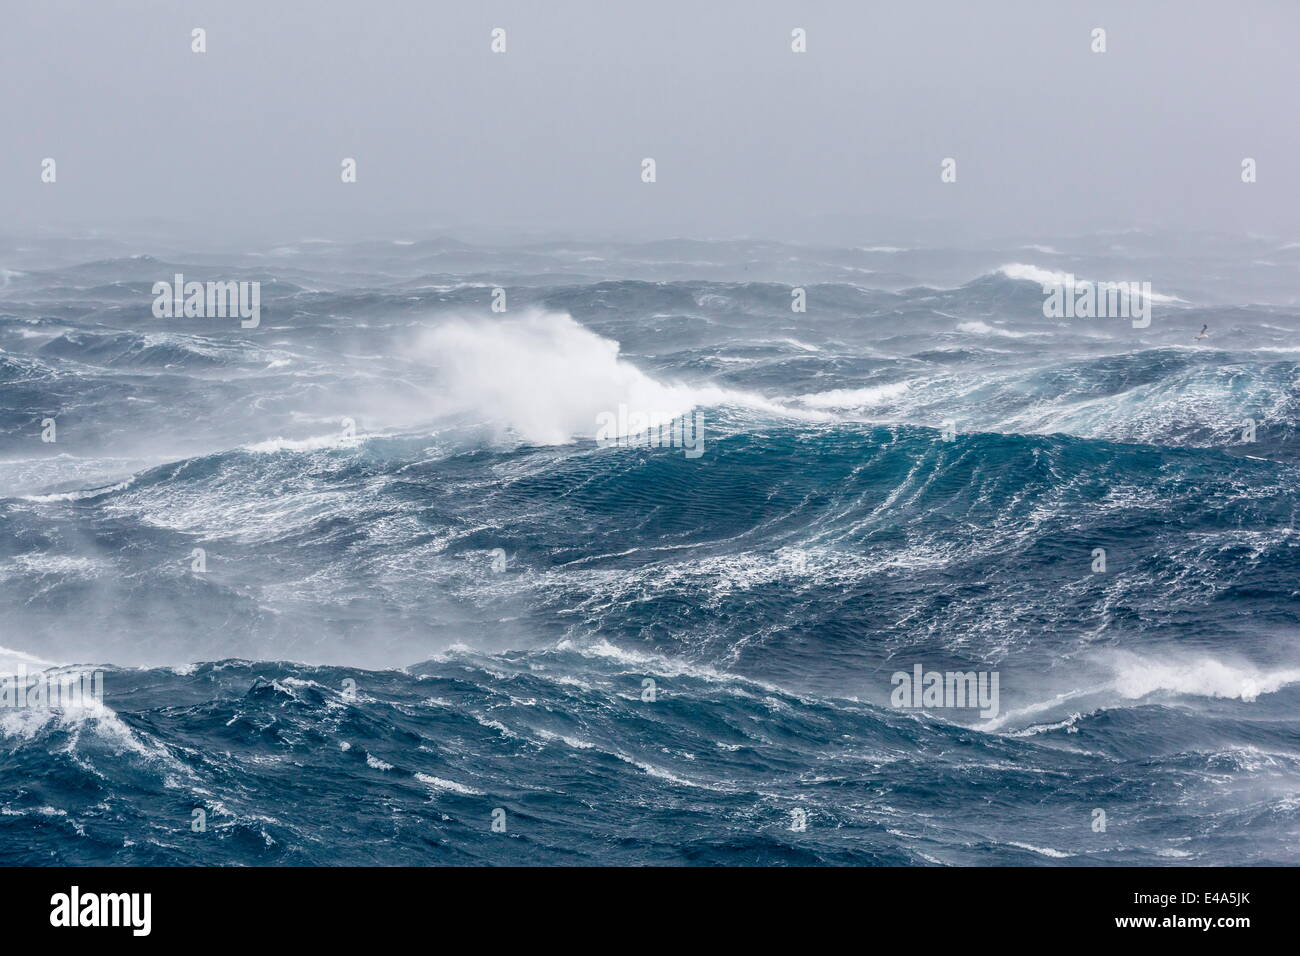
pixel 1027 272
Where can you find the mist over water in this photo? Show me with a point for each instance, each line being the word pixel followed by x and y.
pixel 542 378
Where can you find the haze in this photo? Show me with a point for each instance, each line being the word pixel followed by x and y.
pixel 842 143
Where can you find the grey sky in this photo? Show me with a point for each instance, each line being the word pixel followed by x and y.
pixel 842 143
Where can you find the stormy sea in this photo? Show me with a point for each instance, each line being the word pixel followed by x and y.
pixel 393 573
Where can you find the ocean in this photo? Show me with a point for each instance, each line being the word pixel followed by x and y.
pixel 363 584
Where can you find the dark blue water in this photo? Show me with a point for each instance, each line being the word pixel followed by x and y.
pixel 431 600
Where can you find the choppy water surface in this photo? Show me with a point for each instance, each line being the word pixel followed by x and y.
pixel 430 594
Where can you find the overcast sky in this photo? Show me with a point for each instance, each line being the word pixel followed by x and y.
pixel 246 140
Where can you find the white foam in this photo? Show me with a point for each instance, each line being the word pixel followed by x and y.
pixel 546 378
pixel 575 742
pixel 437 783
pixel 1043 850
pixel 67 565
pixel 983 328
pixel 853 397
pixel 316 443
pixel 801 346
pixel 543 376
pixel 1137 676
pixel 1028 272
pixel 78 495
